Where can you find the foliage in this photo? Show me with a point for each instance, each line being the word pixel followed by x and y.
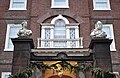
pixel 61 66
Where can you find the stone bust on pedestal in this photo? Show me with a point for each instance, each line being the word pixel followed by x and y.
pixel 98 32
pixel 24 32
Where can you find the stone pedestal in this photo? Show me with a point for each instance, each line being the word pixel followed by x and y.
pixel 21 54
pixel 101 50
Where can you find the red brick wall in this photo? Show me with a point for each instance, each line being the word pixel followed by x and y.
pixel 80 10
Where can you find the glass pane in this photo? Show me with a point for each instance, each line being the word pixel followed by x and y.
pixel 13 34
pixel 60 33
pixel 72 33
pixel 6 76
pixel 107 30
pixel 60 2
pixel 60 29
pixel 47 33
pixel 18 5
pixel 47 36
pixel 60 44
pixel 14 30
pixel 101 0
pixel 18 0
pixel 101 5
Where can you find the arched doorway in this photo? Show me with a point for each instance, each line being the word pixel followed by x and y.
pixel 56 76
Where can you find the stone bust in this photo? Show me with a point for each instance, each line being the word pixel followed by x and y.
pixel 98 32
pixel 24 32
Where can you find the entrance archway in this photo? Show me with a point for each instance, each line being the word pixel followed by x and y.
pixel 56 76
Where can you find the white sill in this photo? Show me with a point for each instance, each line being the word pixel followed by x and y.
pixel 113 50
pixel 102 9
pixel 8 49
pixel 59 6
pixel 17 9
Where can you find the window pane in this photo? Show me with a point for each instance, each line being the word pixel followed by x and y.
pixel 18 0
pixel 6 76
pixel 60 33
pixel 101 0
pixel 18 5
pixel 60 44
pixel 12 34
pixel 60 2
pixel 101 5
pixel 72 33
pixel 107 30
pixel 47 33
pixel 14 30
pixel 72 36
pixel 60 29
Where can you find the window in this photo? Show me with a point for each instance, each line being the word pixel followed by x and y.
pixel 18 4
pixel 5 74
pixel 12 30
pixel 101 5
pixel 59 4
pixel 60 34
pixel 108 28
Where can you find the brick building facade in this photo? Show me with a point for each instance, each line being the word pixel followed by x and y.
pixel 78 16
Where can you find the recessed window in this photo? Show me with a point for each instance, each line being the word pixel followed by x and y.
pixel 101 5
pixel 59 4
pixel 12 30
pixel 60 34
pixel 18 4
pixel 108 28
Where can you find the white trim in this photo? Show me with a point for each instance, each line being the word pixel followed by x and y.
pixel 54 6
pixel 112 46
pixel 59 17
pixel 94 6
pixel 8 36
pixel 4 74
pixel 11 8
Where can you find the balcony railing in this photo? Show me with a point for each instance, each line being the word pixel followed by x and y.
pixel 60 43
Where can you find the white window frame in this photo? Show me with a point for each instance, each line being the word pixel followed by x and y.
pixel 95 8
pixel 11 8
pixel 54 6
pixel 112 46
pixel 68 26
pixel 4 74
pixel 7 36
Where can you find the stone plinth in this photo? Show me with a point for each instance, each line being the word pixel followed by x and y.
pixel 21 54
pixel 101 50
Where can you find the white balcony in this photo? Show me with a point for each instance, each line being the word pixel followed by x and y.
pixel 60 43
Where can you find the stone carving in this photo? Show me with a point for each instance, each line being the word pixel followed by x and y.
pixel 24 32
pixel 98 32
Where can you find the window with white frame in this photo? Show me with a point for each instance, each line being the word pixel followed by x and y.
pixel 5 74
pixel 108 28
pixel 12 30
pixel 60 34
pixel 18 4
pixel 101 5
pixel 59 4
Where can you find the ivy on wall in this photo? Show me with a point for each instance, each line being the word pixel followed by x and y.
pixel 61 66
